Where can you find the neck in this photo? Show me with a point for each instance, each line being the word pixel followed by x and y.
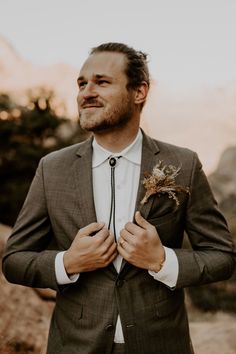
pixel 118 139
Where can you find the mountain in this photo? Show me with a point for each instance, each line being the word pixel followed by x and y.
pixel 18 75
pixel 8 58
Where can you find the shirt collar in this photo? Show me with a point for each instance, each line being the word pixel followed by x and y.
pixel 131 152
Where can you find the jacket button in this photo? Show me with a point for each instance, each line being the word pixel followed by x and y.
pixel 120 283
pixel 109 327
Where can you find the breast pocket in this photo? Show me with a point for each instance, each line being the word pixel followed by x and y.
pixel 170 228
pixel 169 217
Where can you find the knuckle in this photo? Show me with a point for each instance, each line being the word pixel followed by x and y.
pixel 122 232
pixel 110 238
pixel 145 241
pixel 103 250
pixel 105 257
pixel 97 240
pixel 135 243
pixel 128 224
pixel 142 235
pixel 104 233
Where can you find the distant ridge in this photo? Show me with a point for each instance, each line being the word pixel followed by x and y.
pixel 7 46
pixel 17 76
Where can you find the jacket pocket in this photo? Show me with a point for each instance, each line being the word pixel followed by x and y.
pixel 67 316
pixel 167 307
pixel 160 220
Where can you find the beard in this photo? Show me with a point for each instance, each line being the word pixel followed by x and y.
pixel 104 118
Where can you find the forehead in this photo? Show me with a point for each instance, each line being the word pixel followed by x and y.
pixel 104 64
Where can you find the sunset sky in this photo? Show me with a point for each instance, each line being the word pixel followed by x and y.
pixel 190 43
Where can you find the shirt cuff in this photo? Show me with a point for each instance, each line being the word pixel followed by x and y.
pixel 169 271
pixel 61 275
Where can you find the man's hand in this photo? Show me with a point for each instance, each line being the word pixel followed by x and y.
pixel 140 245
pixel 87 252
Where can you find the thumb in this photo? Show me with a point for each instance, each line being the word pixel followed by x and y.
pixel 90 229
pixel 141 221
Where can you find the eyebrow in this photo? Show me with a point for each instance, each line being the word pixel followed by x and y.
pixel 97 76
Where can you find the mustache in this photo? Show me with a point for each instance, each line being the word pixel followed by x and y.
pixel 91 102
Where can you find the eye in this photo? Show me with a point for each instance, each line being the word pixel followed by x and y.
pixel 103 82
pixel 81 84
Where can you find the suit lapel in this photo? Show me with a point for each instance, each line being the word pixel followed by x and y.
pixel 149 152
pixel 148 160
pixel 84 184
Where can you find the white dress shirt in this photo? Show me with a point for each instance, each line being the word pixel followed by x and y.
pixel 127 173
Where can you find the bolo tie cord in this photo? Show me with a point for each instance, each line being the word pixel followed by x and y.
pixel 112 163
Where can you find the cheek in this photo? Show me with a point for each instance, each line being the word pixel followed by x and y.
pixel 79 100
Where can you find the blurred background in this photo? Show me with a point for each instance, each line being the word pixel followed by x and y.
pixel 192 103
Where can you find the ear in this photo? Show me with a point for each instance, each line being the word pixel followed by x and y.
pixel 141 93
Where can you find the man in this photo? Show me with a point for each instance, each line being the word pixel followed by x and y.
pixel 101 234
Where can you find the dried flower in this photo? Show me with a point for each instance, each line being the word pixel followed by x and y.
pixel 161 181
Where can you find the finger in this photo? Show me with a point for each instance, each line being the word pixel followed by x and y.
pixel 112 256
pixel 141 221
pixel 121 242
pixel 128 247
pixel 106 242
pixel 90 229
pixel 102 235
pixel 132 228
pixel 128 237
pixel 108 256
pixel 123 251
pixel 112 235
pixel 112 250
pixel 125 234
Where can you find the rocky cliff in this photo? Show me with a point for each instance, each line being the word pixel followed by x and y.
pixel 223 183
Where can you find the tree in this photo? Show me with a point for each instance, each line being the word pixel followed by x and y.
pixel 26 134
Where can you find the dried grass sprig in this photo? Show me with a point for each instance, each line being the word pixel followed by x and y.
pixel 161 181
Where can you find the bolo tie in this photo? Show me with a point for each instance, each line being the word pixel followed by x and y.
pixel 112 162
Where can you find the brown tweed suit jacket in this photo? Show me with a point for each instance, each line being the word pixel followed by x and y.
pixel 154 321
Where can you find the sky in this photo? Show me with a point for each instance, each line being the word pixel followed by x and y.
pixel 191 43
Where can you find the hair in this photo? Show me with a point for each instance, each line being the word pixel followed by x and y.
pixel 137 67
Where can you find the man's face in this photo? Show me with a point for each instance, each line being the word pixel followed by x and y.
pixel 104 102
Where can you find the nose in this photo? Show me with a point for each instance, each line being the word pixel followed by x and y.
pixel 88 91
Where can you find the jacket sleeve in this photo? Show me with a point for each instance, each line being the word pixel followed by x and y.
pixel 28 259
pixel 212 257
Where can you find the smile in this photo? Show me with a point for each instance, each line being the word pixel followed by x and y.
pixel 89 107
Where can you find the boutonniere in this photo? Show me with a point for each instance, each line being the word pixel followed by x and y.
pixel 162 181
